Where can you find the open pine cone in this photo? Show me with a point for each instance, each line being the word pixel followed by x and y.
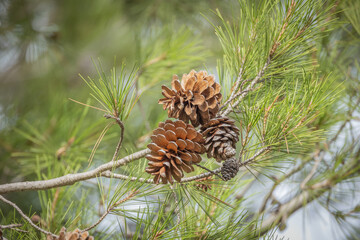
pixel 221 136
pixel 74 235
pixel 196 98
pixel 175 146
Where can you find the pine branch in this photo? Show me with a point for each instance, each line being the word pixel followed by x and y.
pixel 312 172
pixel 289 208
pixel 237 84
pixel 241 95
pixel 70 179
pixel 102 170
pixel 280 180
pixel 308 195
pixel 26 217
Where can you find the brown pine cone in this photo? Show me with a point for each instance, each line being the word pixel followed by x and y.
pixel 74 235
pixel 221 136
pixel 196 98
pixel 175 146
pixel 230 168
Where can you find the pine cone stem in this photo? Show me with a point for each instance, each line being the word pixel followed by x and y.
pixel 205 168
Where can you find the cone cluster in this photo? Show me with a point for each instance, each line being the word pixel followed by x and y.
pixel 176 145
pixel 74 235
pixel 196 98
pixel 174 148
pixel 221 136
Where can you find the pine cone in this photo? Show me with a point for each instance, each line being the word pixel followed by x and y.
pixel 175 146
pixel 197 98
pixel 221 136
pixel 230 168
pixel 74 235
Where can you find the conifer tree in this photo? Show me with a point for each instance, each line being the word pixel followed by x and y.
pixel 193 133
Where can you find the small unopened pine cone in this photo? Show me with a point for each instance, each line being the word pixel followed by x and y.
pixel 221 136
pixel 230 168
pixel 175 147
pixel 196 98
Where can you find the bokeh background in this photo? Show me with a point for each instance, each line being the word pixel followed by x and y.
pixel 46 44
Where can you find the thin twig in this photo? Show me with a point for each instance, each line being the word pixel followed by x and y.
pixel 26 217
pixel 278 181
pixel 205 168
pixel 177 210
pixel 249 88
pixel 237 83
pixel 110 174
pixel 258 153
pixel 131 195
pixel 247 187
pixel 350 113
pixel 14 225
pixel 312 172
pixel 20 230
pixel 121 124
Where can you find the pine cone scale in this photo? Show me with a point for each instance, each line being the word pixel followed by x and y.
pixel 189 84
pixel 204 107
pixel 168 93
pixel 189 110
pixel 181 144
pixel 175 84
pixel 181 133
